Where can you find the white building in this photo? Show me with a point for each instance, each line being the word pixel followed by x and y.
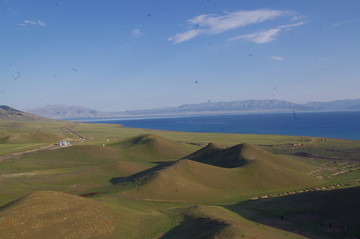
pixel 63 143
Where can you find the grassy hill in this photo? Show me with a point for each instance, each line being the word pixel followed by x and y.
pixel 236 156
pixel 150 147
pixel 214 222
pixel 8 113
pixel 37 136
pixel 192 181
pixel 74 169
pixel 48 214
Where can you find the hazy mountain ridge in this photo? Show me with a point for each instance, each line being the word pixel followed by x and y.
pixel 247 105
pixel 335 105
pixel 8 113
pixel 63 111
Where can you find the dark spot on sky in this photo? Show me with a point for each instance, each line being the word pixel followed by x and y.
pixel 54 75
pixel 149 15
pixel 196 82
pixel 250 55
pixel 18 75
pixel 74 69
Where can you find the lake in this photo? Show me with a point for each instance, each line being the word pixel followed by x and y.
pixel 344 125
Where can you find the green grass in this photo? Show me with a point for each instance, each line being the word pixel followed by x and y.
pixel 26 127
pixel 150 147
pixel 191 181
pixel 183 197
pixel 21 136
pixel 73 216
pixel 14 148
pixel 140 219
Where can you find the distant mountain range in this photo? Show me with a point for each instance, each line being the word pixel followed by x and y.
pixel 66 112
pixel 246 106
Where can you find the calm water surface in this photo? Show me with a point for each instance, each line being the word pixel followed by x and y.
pixel 345 125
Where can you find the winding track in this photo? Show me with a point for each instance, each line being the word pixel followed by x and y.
pixel 69 128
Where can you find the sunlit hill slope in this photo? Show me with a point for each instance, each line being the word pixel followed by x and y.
pixel 214 174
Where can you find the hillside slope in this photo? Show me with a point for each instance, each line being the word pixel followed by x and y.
pixel 48 214
pixel 232 157
pixel 213 222
pixel 329 214
pixel 8 113
pixel 191 181
pixel 150 147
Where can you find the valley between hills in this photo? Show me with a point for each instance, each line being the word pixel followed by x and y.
pixel 116 182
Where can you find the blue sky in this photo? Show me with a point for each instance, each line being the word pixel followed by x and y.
pixel 132 54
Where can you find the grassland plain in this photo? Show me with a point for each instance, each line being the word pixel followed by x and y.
pixel 152 184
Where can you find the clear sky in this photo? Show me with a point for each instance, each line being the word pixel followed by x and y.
pixel 117 55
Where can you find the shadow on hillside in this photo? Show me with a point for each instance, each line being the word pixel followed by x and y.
pixel 9 204
pixel 143 175
pixel 195 228
pixel 325 214
pixel 218 156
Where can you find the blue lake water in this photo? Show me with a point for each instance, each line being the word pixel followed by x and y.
pixel 344 125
